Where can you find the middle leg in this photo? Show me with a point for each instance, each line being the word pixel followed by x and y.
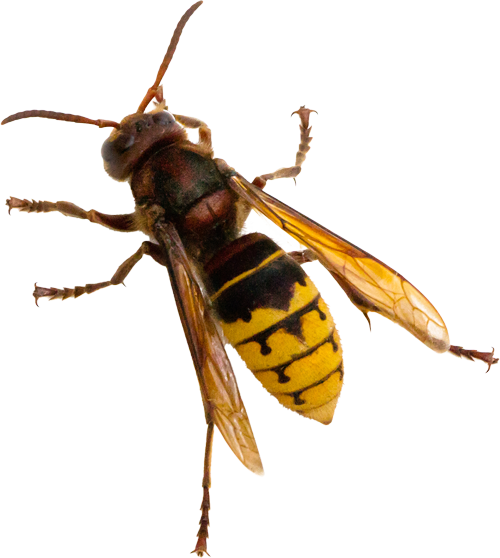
pixel 147 248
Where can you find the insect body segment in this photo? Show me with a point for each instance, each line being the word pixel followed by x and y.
pixel 191 192
pixel 274 316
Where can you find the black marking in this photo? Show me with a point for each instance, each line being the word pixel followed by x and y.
pixel 335 344
pixel 282 377
pixel 291 324
pixel 265 349
pixel 280 369
pixel 296 398
pixel 246 315
pixel 244 254
pixel 297 394
pixel 272 286
pixel 294 327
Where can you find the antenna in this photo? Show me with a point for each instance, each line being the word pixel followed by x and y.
pixel 150 95
pixel 60 116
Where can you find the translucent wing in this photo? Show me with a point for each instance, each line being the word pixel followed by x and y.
pixel 370 284
pixel 221 398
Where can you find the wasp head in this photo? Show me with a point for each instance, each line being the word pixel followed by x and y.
pixel 137 134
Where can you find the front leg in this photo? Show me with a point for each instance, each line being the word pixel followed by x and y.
pixel 122 223
pixel 204 132
pixel 305 140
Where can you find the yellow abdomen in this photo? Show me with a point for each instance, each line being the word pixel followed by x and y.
pixel 274 316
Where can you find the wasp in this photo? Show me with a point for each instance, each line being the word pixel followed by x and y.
pixel 236 288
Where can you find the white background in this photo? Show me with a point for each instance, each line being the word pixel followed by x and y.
pixel 101 422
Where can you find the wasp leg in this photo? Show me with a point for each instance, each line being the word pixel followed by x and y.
pixel 305 140
pixel 204 133
pixel 147 248
pixel 472 354
pixel 122 223
pixel 303 256
pixel 201 544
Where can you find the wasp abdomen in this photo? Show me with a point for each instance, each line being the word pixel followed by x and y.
pixel 274 316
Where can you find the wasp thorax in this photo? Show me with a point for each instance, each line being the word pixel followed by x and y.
pixel 138 133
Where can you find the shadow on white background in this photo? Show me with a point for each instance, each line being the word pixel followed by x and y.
pixel 101 422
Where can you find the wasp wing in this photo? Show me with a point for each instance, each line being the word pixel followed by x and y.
pixel 370 284
pixel 221 398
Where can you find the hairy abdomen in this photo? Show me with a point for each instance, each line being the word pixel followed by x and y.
pixel 274 316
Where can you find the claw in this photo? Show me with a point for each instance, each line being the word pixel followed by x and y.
pixel 16 203
pixel 304 113
pixel 472 354
pixel 365 314
pixel 40 292
pixel 63 294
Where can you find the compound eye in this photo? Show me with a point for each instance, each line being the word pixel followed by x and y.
pixel 112 148
pixel 163 118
